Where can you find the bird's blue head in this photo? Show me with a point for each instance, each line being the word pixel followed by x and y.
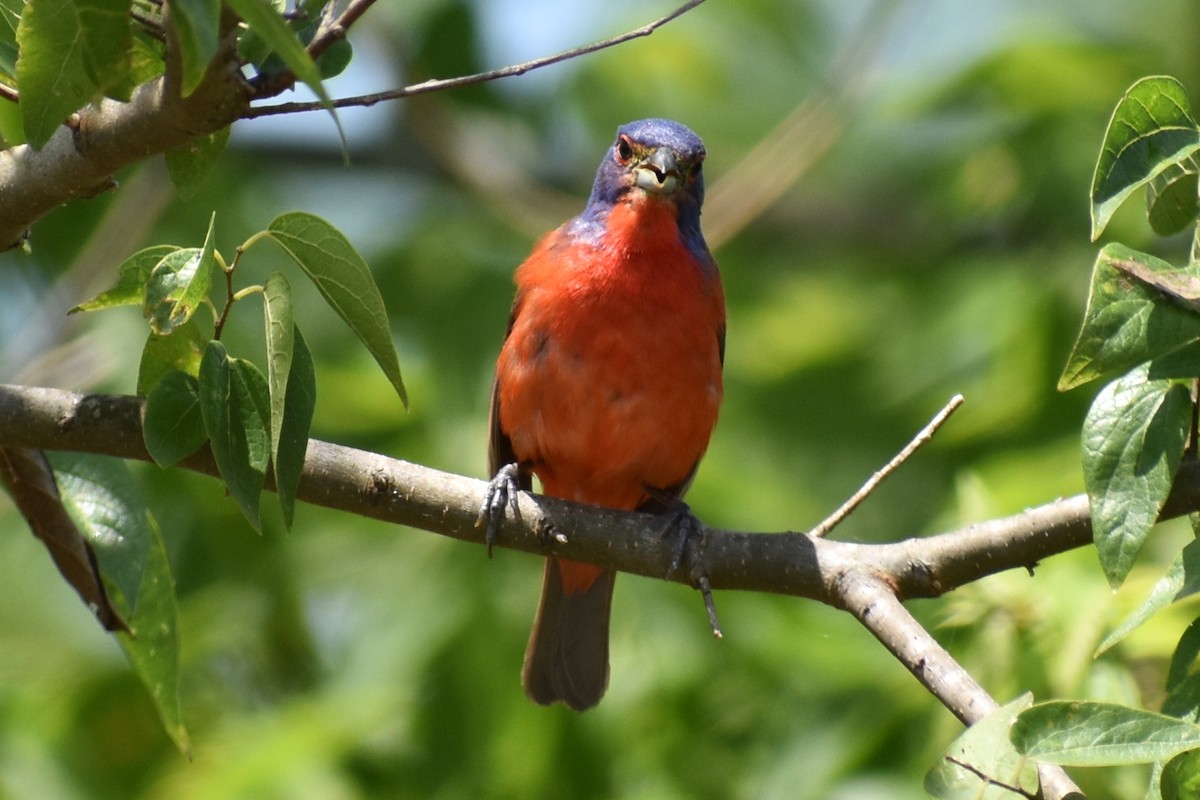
pixel 659 158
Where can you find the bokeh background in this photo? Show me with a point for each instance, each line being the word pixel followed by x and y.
pixel 898 202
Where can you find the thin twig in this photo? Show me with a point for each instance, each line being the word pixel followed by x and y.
pixel 9 93
pixel 470 80
pixel 926 433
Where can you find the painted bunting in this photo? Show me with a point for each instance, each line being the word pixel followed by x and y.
pixel 609 380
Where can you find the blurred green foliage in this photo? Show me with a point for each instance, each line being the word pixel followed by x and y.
pixel 938 246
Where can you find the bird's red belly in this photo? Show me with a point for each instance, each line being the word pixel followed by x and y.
pixel 617 394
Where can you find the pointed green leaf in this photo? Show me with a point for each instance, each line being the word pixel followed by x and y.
pixel 1150 129
pixel 1127 322
pixel 107 41
pixel 297 420
pixel 281 326
pixel 103 498
pixel 1133 439
pixel 197 24
pixel 173 426
pixel 226 408
pixel 1086 734
pixel 1171 199
pixel 168 281
pixel 50 68
pixel 180 350
pixel 132 276
pixel 198 283
pixel 1184 656
pixel 986 748
pixel 344 279
pixel 1181 580
pixel 252 404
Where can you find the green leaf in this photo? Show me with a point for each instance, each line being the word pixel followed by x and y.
pixel 1087 734
pixel 191 164
pixel 1181 777
pixel 345 281
pixel 107 506
pixel 1150 129
pixel 50 68
pixel 1133 439
pixel 228 410
pixel 107 41
pixel 297 420
pixel 292 382
pixel 1183 700
pixel 199 282
pixel 1127 322
pixel 985 747
pixel 168 282
pixel 1184 655
pixel 197 24
pixel 102 497
pixel 335 59
pixel 173 426
pixel 1171 200
pixel 1181 580
pixel 180 350
pixel 280 334
pixel 132 276
pixel 253 407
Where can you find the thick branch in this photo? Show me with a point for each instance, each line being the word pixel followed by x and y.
pixel 80 159
pixel 391 490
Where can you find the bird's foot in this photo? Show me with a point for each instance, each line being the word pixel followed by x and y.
pixel 502 491
pixel 685 526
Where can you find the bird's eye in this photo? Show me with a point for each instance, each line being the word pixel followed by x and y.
pixel 624 150
pixel 694 171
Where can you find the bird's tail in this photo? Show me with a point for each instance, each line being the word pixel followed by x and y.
pixel 567 656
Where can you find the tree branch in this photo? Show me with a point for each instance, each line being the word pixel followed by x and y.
pixel 441 84
pixel 80 160
pixel 868 580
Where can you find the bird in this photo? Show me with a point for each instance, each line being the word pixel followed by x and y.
pixel 609 380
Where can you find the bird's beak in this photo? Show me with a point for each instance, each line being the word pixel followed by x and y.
pixel 658 172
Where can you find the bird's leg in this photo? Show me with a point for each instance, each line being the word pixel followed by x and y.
pixel 502 490
pixel 685 525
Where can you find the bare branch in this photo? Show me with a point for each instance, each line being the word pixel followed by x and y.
pixel 436 85
pixel 923 436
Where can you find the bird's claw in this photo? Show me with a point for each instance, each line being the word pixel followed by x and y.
pixel 502 490
pixel 684 524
